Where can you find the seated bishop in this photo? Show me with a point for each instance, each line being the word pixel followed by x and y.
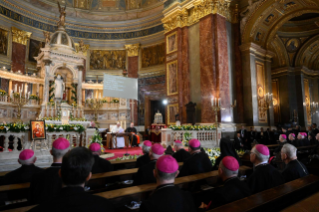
pixel 118 142
pixel 134 140
pixel 100 165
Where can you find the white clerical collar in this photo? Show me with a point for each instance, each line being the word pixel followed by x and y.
pixel 262 163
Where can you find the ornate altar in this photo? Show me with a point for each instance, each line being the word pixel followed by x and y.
pixel 158 118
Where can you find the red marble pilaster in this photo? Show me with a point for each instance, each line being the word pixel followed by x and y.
pixel 84 71
pixel 133 73
pixel 214 67
pixel 238 75
pixel 18 57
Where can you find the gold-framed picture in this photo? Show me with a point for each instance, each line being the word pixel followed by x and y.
pixel 171 43
pixel 171 77
pixel 172 110
pixel 37 130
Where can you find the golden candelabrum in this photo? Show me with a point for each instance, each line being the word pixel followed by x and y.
pixel 19 101
pixel 216 107
pixel 268 99
pixel 95 105
pixel 314 106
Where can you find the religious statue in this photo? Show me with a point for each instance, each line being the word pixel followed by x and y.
pixel 158 118
pixel 47 37
pixel 59 87
pixel 62 15
pixel 252 6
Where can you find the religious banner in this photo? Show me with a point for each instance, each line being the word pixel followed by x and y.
pixel 171 43
pixel 172 110
pixel 107 60
pixel 171 76
pixel 262 107
pixel 307 101
pixel 153 55
pixel 3 42
pixel 275 100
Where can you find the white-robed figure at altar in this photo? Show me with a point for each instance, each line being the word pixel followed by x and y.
pixel 59 87
pixel 118 142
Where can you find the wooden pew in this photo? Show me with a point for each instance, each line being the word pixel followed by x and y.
pixel 309 204
pixel 274 199
pixel 124 196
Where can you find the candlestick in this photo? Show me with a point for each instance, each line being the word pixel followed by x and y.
pixel 218 101
pixel 212 101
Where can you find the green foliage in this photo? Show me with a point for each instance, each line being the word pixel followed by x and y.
pixel 65 127
pixel 190 127
pixel 96 138
pixel 13 127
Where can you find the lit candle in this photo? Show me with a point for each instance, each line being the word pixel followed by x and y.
pixel 212 101
pixel 218 101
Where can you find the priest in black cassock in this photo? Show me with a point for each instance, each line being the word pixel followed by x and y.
pixel 294 169
pixel 100 165
pixel 167 196
pixel 181 155
pixel 282 142
pixel 291 138
pixel 133 131
pixel 144 159
pixel 47 184
pixel 24 173
pixel 265 176
pixel 198 162
pixel 233 189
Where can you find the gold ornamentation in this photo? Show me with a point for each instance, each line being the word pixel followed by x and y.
pixel 81 47
pixel 20 36
pixel 172 110
pixel 153 55
pixel 132 49
pixel 4 42
pixel 107 60
pixel 47 37
pixel 82 4
pixel 172 80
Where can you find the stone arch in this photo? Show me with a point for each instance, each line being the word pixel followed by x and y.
pixel 71 68
pixel 258 31
pixel 307 53
pixel 281 54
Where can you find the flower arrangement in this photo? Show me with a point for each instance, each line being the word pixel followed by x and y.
pixel 97 139
pixel 13 127
pixel 16 95
pixel 191 127
pixel 187 137
pixel 64 127
pixel 213 154
pixel 104 100
pixel 130 157
pixel 115 101
pixel 3 92
pixel 33 96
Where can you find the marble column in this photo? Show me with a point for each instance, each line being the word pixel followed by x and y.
pixel 214 67
pixel 46 83
pixel 79 88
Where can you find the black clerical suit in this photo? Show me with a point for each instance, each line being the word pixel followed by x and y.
pixel 142 160
pixel 197 163
pixel 181 155
pixel 101 165
pixel 75 199
pixel 264 177
pixel 46 184
pixel 294 170
pixel 238 143
pixel 133 138
pixel 278 149
pixel 21 175
pixel 145 174
pixel 232 190
pixel 168 198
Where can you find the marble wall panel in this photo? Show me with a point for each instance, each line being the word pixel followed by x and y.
pixel 18 57
pixel 133 73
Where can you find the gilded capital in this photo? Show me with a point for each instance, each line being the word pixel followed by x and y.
pixel 20 36
pixel 132 49
pixel 81 47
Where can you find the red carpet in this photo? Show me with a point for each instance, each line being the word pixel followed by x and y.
pixel 121 152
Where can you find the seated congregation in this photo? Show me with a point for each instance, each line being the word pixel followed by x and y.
pixel 161 182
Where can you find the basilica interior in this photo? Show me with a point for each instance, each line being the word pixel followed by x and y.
pixel 211 75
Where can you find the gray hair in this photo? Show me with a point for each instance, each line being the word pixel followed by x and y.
pixel 260 156
pixel 165 176
pixel 58 153
pixel 28 161
pixel 227 172
pixel 146 149
pixel 289 150
pixel 156 156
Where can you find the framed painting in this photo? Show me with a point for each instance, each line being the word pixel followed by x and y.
pixel 172 110
pixel 171 77
pixel 171 43
pixel 37 130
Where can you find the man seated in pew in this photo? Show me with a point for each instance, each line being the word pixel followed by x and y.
pixel 23 174
pixel 46 184
pixel 291 138
pixel 181 155
pixel 198 162
pixel 316 142
pixel 144 159
pixel 145 173
pixel 265 176
pixel 100 165
pixel 75 171
pixel 167 196
pixel 282 142
pixel 233 189
pixel 294 169
pixel 133 138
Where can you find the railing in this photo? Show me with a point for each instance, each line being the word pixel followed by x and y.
pixel 23 136
pixel 6 99
pixel 208 138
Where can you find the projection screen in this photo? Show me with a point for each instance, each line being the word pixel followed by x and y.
pixel 120 87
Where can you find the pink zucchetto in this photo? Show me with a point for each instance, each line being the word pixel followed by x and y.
pixel 26 154
pixel 61 144
pixel 283 136
pixel 292 134
pixel 178 142
pixel 304 134
pixel 147 143
pixel 230 163
pixel 262 149
pixel 94 147
pixel 167 164
pixel 194 143
pixel 158 149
